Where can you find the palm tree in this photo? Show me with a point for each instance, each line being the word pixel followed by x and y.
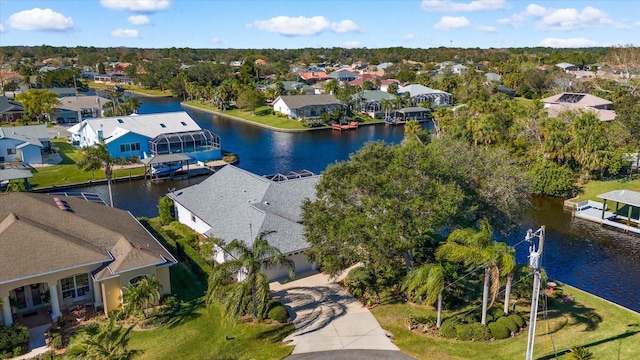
pixel 386 105
pixel 138 296
pixel 238 282
pixel 105 342
pixel 426 281
pixel 476 248
pixel 331 86
pixel 131 105
pixel 411 130
pixel 579 353
pixel 97 157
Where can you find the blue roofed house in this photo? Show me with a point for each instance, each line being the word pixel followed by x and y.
pixel 149 135
pixel 236 204
pixel 24 143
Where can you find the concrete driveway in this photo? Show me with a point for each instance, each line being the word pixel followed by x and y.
pixel 328 318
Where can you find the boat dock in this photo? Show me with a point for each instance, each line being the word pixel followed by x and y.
pixel 625 217
pixel 340 127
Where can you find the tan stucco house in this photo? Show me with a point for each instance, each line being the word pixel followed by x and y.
pixel 57 251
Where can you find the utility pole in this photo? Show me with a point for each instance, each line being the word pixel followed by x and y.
pixel 534 263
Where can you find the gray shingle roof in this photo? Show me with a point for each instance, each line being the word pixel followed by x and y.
pixel 239 205
pixel 30 134
pixel 37 237
pixel 300 101
pixel 79 103
pixel 7 105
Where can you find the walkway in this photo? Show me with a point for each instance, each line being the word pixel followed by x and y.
pixel 327 318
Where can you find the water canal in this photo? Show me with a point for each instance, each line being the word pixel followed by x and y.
pixel 580 253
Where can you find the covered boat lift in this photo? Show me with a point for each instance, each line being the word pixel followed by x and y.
pixel 627 220
pixel 172 161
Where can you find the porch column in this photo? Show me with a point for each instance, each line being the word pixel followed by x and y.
pixel 55 302
pixel 97 294
pixel 6 311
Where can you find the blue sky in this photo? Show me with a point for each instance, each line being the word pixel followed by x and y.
pixel 328 23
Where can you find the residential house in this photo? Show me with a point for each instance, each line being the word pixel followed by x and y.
pixel 45 69
pixel 306 106
pixel 294 86
pixel 24 143
pixel 67 250
pixel 576 101
pixel 236 204
pixel 75 108
pixel 567 67
pixel 370 102
pixel 459 69
pixel 492 77
pixel 149 135
pixel 10 110
pixel 312 77
pixel 343 75
pixel 364 77
pixel 384 84
pixel 420 93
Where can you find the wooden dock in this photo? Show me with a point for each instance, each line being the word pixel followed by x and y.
pixel 341 127
pixel 592 211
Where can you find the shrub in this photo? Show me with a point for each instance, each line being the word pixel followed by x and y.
pixel 277 312
pixel 165 210
pixel 427 321
pixel 448 329
pixel 472 332
pixel 518 320
pixel 56 338
pixel 14 340
pixel 498 331
pixel 358 281
pixel 509 324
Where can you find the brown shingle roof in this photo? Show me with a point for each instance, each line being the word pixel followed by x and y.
pixel 37 237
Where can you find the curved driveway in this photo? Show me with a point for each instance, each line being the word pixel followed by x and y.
pixel 327 318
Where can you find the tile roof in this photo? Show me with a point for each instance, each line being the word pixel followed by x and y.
pixel 237 204
pixel 37 236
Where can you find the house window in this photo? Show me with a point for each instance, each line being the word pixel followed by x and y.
pixel 11 151
pixel 75 286
pixel 129 147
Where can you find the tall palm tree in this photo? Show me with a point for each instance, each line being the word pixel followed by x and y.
pixel 239 284
pixel 131 105
pixel 386 105
pixel 108 341
pixel 476 248
pixel 411 130
pixel 426 281
pixel 97 157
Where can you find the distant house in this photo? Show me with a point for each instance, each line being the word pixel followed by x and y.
pixel 459 69
pixel 343 75
pixel 506 90
pixel 62 92
pixel 73 109
pixel 10 110
pixel 24 143
pixel 362 78
pixel 306 106
pixel 75 250
pixel 566 66
pixel 493 77
pixel 420 93
pixel 149 135
pixel 45 69
pixel 247 204
pixel 576 101
pixel 312 77
pixel 294 86
pixel 369 101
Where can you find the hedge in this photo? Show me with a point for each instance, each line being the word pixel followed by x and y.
pixel 14 340
pixel 448 329
pixel 518 320
pixel 277 312
pixel 498 331
pixel 472 332
pixel 509 324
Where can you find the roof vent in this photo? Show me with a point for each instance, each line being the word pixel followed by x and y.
pixel 62 205
pixel 267 203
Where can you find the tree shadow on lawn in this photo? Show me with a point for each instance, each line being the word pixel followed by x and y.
pixel 182 312
pixel 277 334
pixel 595 343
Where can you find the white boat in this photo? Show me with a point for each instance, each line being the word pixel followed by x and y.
pixel 165 169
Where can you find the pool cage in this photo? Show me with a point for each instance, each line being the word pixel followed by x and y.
pixel 290 175
pixel 184 142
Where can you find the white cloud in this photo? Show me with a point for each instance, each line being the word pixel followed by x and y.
pixel 637 23
pixel 567 43
pixel 216 40
pixel 409 37
pixel 484 28
pixel 124 33
pixel 136 5
pixel 352 44
pixel 452 23
pixel 451 6
pixel 515 20
pixel 303 26
pixel 344 26
pixel 1 29
pixel 40 19
pixel 139 20
pixel 535 10
pixel 570 19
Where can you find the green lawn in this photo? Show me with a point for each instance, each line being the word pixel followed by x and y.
pixel 134 88
pixel 68 173
pixel 268 120
pixel 594 188
pixel 605 329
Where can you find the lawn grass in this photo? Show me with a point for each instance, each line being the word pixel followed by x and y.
pixel 605 329
pixel 267 119
pixel 594 188
pixel 133 88
pixel 67 172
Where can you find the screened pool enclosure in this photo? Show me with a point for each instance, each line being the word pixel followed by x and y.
pixel 184 142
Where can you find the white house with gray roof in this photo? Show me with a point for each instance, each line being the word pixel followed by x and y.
pixel 420 93
pixel 149 135
pixel 236 204
pixel 306 106
pixel 24 143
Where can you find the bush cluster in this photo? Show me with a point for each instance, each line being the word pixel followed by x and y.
pixel 498 331
pixel 14 340
pixel 448 329
pixel 509 324
pixel 276 311
pixel 472 332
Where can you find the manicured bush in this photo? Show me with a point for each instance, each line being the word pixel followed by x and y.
pixel 518 320
pixel 472 332
pixel 448 329
pixel 165 210
pixel 509 324
pixel 358 281
pixel 277 312
pixel 498 331
pixel 14 340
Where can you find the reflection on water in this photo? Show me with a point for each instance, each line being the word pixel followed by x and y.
pixel 580 253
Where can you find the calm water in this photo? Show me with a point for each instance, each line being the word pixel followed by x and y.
pixel 577 252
